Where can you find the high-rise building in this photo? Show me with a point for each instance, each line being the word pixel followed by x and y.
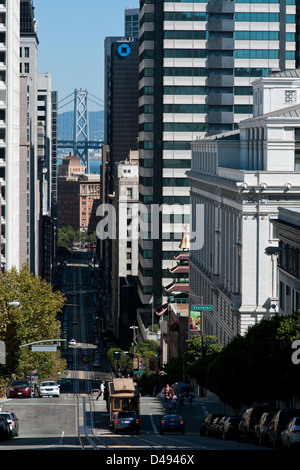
pixel 29 69
pixel 131 22
pixel 124 256
pixel 197 64
pixel 121 120
pixel 122 106
pixel 45 167
pixel 10 132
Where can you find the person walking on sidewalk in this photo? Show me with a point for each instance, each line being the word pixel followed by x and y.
pixel 191 397
pixel 180 399
pixel 102 389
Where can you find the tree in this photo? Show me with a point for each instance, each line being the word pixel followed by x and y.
pixel 197 356
pixel 226 373
pixel 34 319
pixel 66 237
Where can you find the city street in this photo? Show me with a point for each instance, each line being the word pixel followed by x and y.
pixel 76 420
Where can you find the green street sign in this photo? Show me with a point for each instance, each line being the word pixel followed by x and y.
pixel 199 308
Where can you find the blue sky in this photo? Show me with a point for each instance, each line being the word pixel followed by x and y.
pixel 71 37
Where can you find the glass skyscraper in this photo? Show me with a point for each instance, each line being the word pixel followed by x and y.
pixel 197 63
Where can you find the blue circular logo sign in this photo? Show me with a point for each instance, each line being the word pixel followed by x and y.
pixel 124 50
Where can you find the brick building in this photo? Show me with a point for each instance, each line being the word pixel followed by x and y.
pixel 78 195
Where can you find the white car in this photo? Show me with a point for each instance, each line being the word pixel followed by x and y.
pixel 72 342
pixel 49 389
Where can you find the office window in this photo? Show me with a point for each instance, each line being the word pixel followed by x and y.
pixel 257 35
pixel 256 54
pixel 259 16
pixel 185 16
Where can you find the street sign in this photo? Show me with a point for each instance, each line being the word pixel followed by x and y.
pixel 44 348
pixel 199 308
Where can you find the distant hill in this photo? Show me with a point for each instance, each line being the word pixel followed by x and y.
pixel 65 123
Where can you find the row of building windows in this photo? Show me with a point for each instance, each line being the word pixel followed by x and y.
pixel 203 34
pixel 167 163
pixel 201 16
pixel 204 53
pixel 195 90
pixel 288 2
pixel 185 16
pixel 263 17
pixel 262 54
pixel 203 72
pixel 190 109
pixel 167 182
pixel 169 200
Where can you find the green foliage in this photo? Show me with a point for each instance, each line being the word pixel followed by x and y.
pixel 256 367
pixel 33 320
pixel 66 237
pixel 146 349
pixel 125 363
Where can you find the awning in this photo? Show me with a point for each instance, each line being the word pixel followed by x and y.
pixel 182 256
pixel 177 287
pixel 179 269
pixel 161 309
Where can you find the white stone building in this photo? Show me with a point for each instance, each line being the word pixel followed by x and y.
pixel 125 243
pixel 10 132
pixel 288 230
pixel 240 179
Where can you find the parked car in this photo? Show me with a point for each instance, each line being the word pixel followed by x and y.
pixel 12 421
pixel 249 420
pixel 290 436
pixel 20 389
pixel 49 389
pixel 262 428
pixel 231 428
pixel 213 429
pixel 220 427
pixel 204 428
pixel 127 421
pixel 279 423
pixel 172 423
pixel 4 428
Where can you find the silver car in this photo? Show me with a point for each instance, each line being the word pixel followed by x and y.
pixel 290 436
pixel 12 421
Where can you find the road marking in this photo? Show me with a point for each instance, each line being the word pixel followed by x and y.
pixel 153 424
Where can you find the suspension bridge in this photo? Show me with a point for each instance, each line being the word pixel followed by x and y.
pixel 80 144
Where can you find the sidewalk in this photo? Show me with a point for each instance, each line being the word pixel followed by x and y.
pixel 210 403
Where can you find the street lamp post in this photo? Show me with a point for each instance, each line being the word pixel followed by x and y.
pixel 134 328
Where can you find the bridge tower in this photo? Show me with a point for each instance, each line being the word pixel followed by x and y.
pixel 81 127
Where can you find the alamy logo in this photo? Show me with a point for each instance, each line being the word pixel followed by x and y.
pixel 296 354
pixel 151 222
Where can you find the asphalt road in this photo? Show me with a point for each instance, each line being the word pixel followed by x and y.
pixel 75 421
